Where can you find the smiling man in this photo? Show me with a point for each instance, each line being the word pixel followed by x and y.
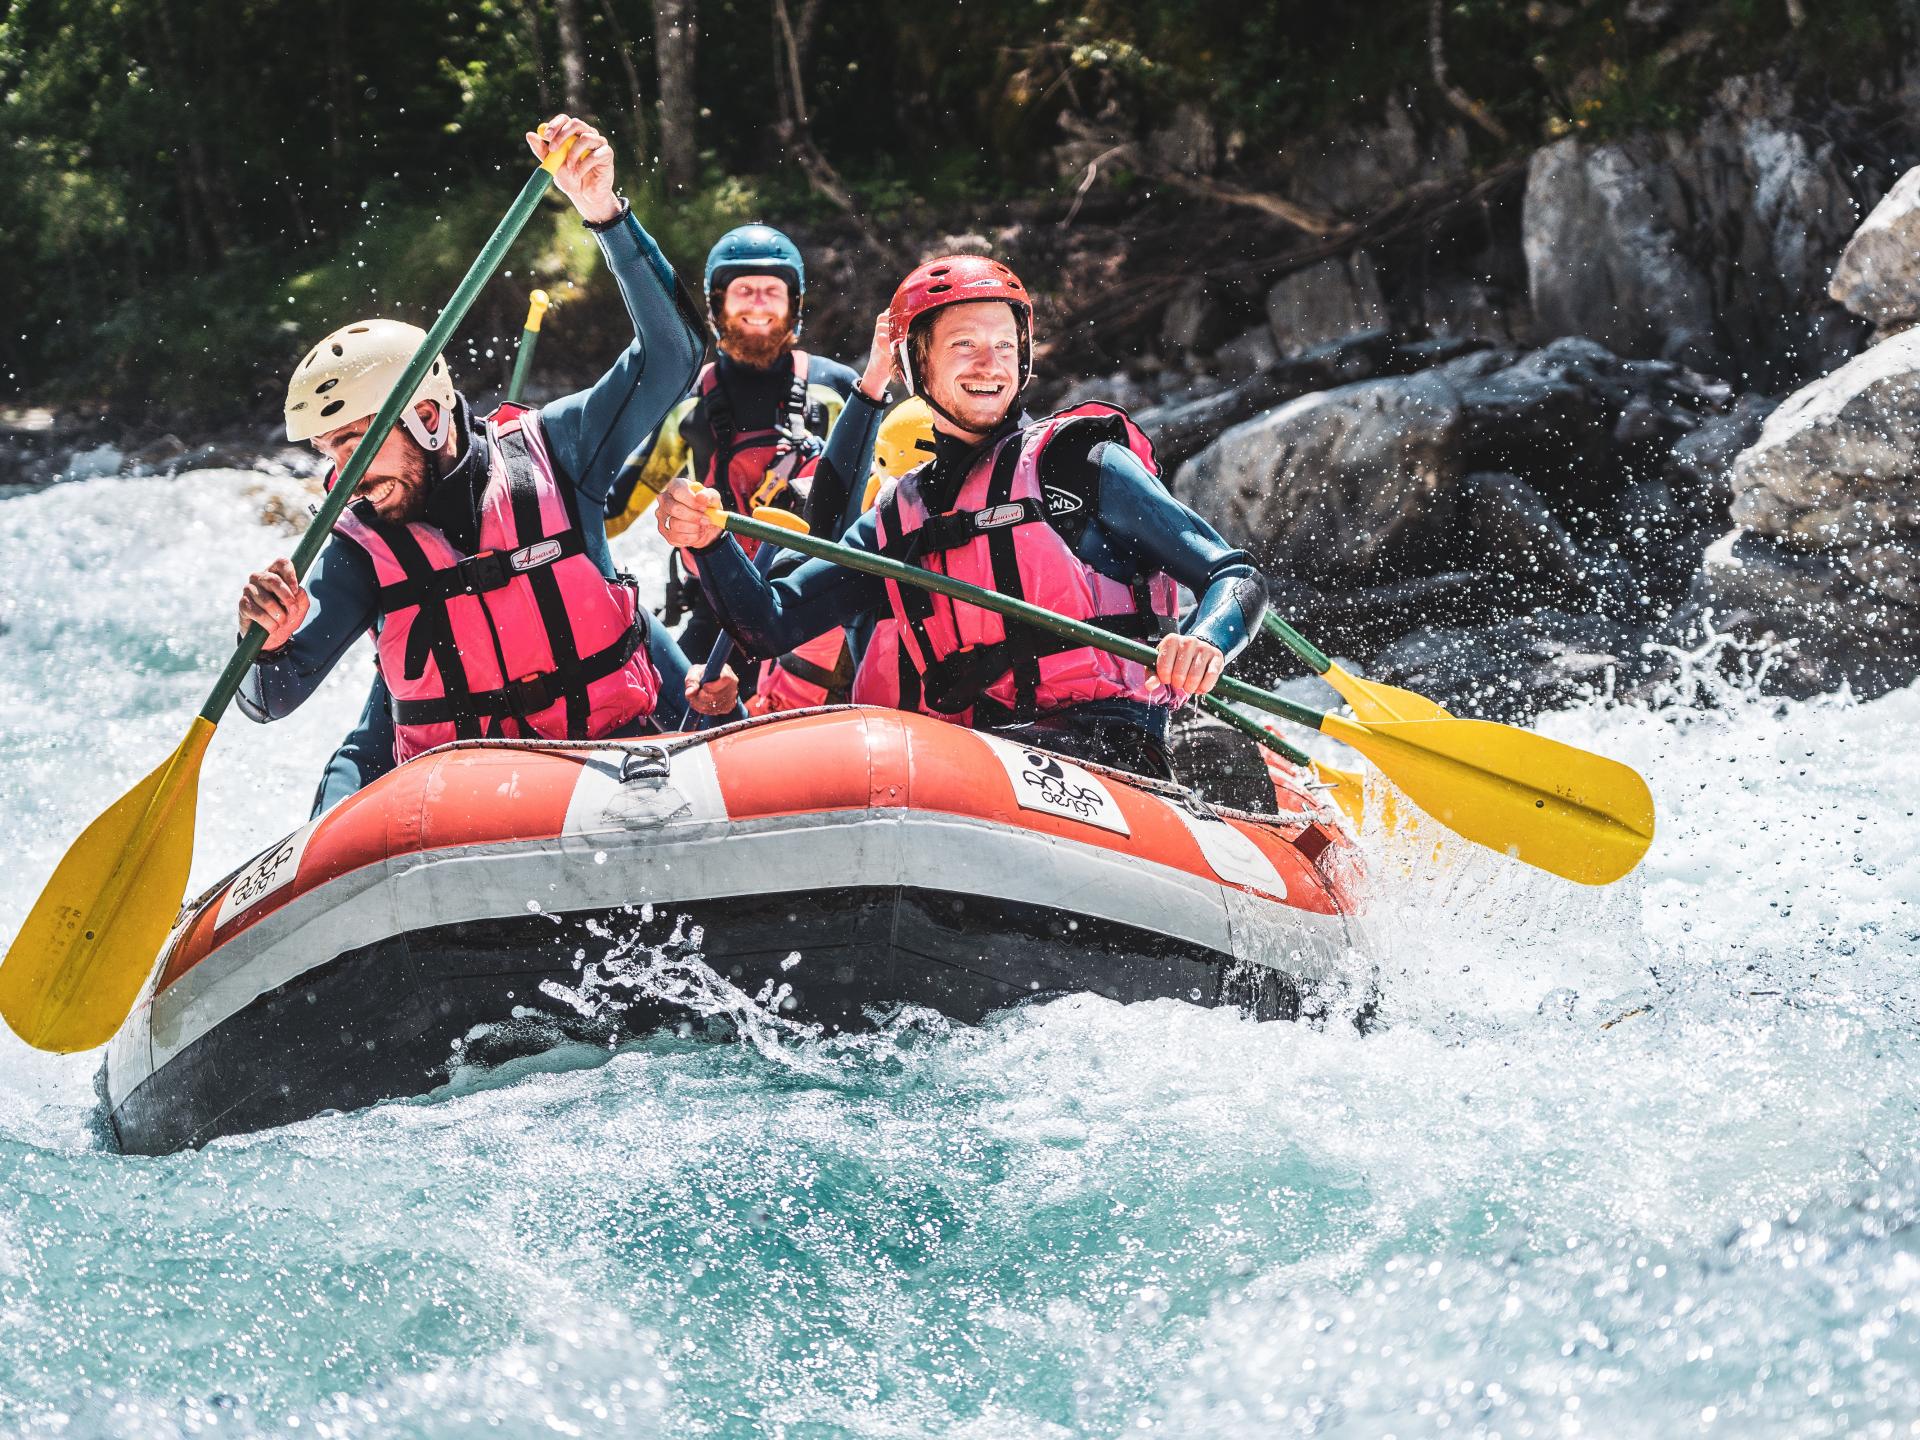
pixel 758 417
pixel 1067 512
pixel 475 550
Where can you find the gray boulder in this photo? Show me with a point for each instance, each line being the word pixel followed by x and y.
pixel 1828 546
pixel 1878 277
pixel 1339 296
pixel 1519 468
pixel 1711 248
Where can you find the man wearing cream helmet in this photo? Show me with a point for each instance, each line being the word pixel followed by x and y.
pixel 475 549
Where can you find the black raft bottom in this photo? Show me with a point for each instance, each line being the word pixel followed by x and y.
pixel 389 1019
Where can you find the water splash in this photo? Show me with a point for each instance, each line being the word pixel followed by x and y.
pixel 1624 1163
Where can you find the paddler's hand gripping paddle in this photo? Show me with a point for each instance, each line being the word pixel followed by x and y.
pixel 77 965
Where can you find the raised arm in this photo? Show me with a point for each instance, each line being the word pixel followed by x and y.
pixel 591 433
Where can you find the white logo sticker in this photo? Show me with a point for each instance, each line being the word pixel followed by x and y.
pixel 532 555
pixel 1054 786
pixel 1231 855
pixel 998 515
pixel 265 874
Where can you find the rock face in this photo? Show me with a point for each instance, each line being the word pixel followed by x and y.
pixel 1523 469
pixel 1712 249
pixel 1828 508
pixel 1878 277
pixel 1335 298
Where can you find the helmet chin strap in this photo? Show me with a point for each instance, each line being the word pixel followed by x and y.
pixel 432 441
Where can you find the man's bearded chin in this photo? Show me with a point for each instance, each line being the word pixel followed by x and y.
pixel 756 349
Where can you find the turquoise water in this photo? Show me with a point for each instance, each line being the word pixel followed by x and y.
pixel 1626 1163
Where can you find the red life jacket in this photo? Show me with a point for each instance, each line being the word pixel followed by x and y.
pixel 819 672
pixel 526 637
pixel 757 467
pixel 999 534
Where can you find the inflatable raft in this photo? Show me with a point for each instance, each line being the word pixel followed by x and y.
pixel 846 862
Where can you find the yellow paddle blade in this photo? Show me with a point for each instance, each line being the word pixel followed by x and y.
pixel 1373 701
pixel 1348 788
pixel 77 965
pixel 1550 805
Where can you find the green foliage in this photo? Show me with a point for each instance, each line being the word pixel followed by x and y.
pixel 190 191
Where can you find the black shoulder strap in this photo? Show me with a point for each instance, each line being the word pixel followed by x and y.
pixel 523 492
pixel 432 630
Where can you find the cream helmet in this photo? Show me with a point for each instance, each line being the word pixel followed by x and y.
pixel 348 375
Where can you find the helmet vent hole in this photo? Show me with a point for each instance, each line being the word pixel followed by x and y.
pixel 357 329
pixel 338 348
pixel 326 385
pixel 938 289
pixel 436 368
pixel 332 407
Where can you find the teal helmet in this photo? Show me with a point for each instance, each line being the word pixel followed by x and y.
pixel 755 250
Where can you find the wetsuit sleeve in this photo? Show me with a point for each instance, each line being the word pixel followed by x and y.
pixel 1141 517
pixel 648 470
pixel 343 590
pixel 840 479
pixel 592 432
pixel 364 756
pixel 772 617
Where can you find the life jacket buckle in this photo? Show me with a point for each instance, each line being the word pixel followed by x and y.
pixel 530 694
pixel 484 572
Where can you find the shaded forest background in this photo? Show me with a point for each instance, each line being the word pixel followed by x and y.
pixel 190 192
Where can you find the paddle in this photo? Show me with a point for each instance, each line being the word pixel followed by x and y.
pixel 77 965
pixel 763 562
pixel 1545 803
pixel 537 304
pixel 1370 699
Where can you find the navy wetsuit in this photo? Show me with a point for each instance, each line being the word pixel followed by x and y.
pixel 588 435
pixel 1137 528
pixel 744 399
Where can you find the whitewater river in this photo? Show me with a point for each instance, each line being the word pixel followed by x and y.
pixel 1627 1163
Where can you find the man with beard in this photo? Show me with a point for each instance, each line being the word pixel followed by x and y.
pixel 1066 512
pixel 754 425
pixel 475 550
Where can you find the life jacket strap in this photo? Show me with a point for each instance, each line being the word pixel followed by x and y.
pixel 479 574
pixel 530 694
pixel 837 682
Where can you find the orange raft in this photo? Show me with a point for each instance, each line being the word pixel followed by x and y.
pixel 904 861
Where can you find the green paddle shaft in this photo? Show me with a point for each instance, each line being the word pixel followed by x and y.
pixel 384 420
pixel 1298 643
pixel 1227 689
pixel 1254 731
pixel 529 338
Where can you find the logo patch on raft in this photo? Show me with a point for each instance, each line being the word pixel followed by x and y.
pixel 534 555
pixel 267 872
pixel 1054 786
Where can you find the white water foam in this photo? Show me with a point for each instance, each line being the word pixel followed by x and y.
pixel 1632 1162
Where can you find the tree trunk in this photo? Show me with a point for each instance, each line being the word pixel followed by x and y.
pixel 636 109
pixel 191 155
pixel 795 132
pixel 573 58
pixel 674 34
pixel 530 17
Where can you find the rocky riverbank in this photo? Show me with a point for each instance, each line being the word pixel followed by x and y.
pixel 1553 425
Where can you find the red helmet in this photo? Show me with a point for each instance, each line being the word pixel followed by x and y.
pixel 956 280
